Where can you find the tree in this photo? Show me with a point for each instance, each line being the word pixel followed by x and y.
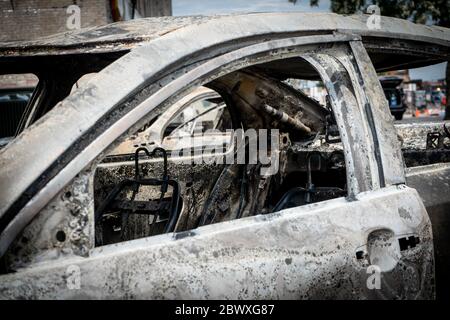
pixel 435 12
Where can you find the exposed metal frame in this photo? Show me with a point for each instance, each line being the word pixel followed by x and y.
pixel 387 147
pixel 123 36
pixel 102 142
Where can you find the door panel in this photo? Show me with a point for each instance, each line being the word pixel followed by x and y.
pixel 304 252
pixel 432 183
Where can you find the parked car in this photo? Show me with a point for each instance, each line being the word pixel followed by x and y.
pixel 98 201
pixel 394 95
pixel 13 102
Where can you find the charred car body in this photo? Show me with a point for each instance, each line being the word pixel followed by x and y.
pixel 93 190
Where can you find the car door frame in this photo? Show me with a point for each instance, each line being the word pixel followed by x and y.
pixel 18 204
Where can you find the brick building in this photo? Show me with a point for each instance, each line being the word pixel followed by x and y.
pixel 30 19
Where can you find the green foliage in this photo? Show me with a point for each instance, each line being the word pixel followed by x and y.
pixel 425 12
pixel 312 3
pixel 435 12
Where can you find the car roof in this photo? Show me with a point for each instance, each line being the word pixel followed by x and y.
pixel 126 35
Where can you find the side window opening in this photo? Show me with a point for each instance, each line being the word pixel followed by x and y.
pixel 49 80
pixel 310 159
pixel 417 104
pixel 15 94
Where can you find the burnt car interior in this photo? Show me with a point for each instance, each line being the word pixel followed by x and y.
pixel 141 189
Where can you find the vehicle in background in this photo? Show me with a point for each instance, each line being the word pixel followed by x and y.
pixel 12 106
pixel 394 95
pixel 420 103
pixel 436 97
pixel 436 107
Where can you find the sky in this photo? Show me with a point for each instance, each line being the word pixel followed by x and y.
pixel 206 7
pixel 434 72
pixel 209 7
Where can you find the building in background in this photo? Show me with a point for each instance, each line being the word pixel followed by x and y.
pixel 31 19
pixel 133 9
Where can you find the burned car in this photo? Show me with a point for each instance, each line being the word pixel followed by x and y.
pixel 189 166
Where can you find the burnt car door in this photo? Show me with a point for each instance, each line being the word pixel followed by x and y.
pixel 375 242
